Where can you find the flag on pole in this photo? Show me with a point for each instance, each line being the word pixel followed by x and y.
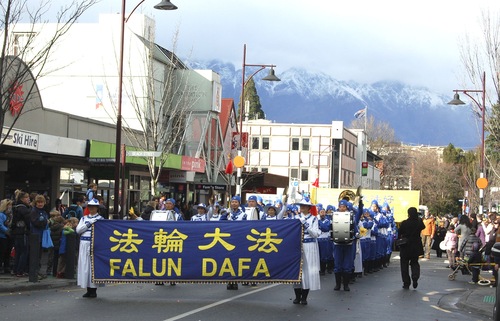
pixel 229 167
pixel 316 183
pixel 360 113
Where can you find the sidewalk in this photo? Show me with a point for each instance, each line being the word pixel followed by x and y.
pixel 479 299
pixel 10 284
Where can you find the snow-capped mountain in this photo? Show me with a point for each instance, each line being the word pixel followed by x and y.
pixel 418 115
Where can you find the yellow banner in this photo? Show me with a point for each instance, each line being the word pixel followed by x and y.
pixel 399 201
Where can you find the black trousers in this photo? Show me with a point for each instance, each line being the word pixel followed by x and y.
pixel 406 265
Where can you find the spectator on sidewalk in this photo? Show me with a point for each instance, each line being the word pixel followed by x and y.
pixel 69 228
pixel 450 241
pixel 463 230
pixel 438 238
pixel 471 254
pixel 20 231
pixel 56 224
pixel 39 220
pixel 427 233
pixel 5 240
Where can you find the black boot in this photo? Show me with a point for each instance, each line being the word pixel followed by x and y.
pixel 338 281
pixel 298 295
pixel 91 293
pixel 87 294
pixel 322 268
pixel 303 299
pixel 346 277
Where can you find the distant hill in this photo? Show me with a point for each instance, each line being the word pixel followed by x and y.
pixel 417 115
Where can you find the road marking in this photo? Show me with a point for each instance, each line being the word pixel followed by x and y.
pixel 206 307
pixel 440 309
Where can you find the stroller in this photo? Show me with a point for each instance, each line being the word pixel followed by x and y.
pixel 469 263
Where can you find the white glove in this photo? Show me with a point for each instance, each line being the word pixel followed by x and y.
pixel 90 222
pixel 302 219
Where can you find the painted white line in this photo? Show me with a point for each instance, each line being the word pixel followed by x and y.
pixel 440 309
pixel 206 307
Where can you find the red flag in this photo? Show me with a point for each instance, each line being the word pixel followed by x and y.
pixel 314 210
pixel 316 182
pixel 229 167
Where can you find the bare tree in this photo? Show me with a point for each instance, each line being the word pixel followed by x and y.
pixel 20 64
pixel 481 54
pixel 162 104
pixel 440 183
pixel 379 134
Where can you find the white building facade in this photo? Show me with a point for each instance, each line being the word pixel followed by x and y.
pixel 306 152
pixel 80 79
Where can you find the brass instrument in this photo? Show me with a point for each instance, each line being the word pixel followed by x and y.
pixel 352 197
pixel 347 194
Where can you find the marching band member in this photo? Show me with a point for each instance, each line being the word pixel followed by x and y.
pixel 202 213
pixel 253 210
pixel 172 214
pixel 217 213
pixel 84 229
pixel 344 252
pixel 310 253
pixel 391 228
pixel 382 225
pixel 365 232
pixel 236 213
pixel 271 213
pixel 291 211
pixel 325 244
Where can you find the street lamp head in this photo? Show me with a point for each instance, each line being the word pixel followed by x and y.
pixel 165 5
pixel 456 100
pixel 271 76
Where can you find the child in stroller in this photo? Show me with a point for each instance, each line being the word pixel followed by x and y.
pixel 470 258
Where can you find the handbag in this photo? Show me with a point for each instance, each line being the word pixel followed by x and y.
pixel 401 241
pixel 46 239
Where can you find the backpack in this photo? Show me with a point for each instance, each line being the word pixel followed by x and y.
pixel 72 212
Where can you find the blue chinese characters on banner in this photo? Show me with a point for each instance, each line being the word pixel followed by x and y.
pixel 152 251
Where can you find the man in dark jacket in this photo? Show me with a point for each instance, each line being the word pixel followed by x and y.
pixel 410 251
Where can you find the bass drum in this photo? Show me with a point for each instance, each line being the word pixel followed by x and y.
pixel 343 227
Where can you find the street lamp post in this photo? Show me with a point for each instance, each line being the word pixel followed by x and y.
pixel 163 5
pixel 270 77
pixel 482 182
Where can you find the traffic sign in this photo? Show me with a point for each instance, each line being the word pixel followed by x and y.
pixel 482 182
pixel 139 153
pixel 239 161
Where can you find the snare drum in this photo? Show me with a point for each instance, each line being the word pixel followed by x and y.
pixel 343 227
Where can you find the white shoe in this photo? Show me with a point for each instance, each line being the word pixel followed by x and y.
pixel 424 259
pixel 446 262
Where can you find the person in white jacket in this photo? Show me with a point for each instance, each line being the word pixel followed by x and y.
pixel 84 229
pixel 310 253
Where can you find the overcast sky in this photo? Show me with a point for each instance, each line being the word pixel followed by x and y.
pixel 416 42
